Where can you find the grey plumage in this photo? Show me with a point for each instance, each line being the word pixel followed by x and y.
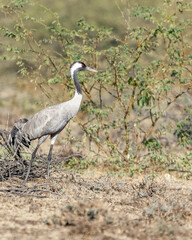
pixel 16 138
pixel 48 122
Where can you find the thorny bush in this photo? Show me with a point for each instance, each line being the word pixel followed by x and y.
pixel 142 75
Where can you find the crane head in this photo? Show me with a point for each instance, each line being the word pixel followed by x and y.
pixel 80 66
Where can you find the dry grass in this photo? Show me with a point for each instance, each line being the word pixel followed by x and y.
pixel 90 205
pixel 93 205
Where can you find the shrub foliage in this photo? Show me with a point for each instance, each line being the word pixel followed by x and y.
pixel 142 76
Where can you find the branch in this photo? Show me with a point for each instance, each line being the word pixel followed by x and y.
pixel 154 122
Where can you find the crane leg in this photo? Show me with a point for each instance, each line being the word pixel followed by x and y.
pixel 30 164
pixel 53 138
pixel 49 160
pixel 40 141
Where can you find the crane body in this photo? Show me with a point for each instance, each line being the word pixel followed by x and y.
pixel 52 120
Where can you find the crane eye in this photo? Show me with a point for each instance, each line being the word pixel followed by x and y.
pixel 82 64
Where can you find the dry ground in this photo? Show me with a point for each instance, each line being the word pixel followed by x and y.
pixel 94 205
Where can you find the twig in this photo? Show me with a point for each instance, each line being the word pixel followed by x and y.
pixel 68 157
pixel 154 122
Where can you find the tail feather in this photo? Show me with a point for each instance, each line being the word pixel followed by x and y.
pixel 17 137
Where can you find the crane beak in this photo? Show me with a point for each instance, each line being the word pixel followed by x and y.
pixel 90 69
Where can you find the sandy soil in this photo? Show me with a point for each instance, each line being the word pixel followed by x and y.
pixel 93 205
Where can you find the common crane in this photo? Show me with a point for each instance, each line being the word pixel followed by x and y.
pixel 48 122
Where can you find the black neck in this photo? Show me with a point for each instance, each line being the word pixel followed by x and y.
pixel 76 82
